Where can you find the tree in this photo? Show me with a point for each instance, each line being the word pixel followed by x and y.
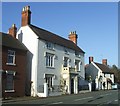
pixel 116 72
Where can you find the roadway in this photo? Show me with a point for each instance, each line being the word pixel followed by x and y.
pixel 97 98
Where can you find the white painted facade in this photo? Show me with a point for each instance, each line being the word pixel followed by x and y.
pixel 95 72
pixel 36 62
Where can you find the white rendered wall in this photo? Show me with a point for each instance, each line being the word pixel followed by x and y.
pixel 58 63
pixel 36 55
pixel 29 39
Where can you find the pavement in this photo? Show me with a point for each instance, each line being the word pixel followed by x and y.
pixel 27 98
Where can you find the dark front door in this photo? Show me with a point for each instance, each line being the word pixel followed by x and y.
pixel 72 86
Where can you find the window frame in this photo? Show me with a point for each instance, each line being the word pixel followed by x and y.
pixel 10 55
pixel 66 50
pixel 9 87
pixel 66 63
pixel 77 54
pixel 78 65
pixel 50 45
pixel 49 60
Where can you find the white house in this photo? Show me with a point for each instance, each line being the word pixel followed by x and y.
pixel 51 59
pixel 98 74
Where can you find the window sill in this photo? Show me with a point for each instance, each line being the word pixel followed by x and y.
pixel 50 67
pixel 11 64
pixel 9 91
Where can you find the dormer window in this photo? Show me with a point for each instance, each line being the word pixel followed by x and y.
pixel 11 57
pixel 50 45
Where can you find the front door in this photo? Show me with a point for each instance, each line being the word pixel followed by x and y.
pixel 72 86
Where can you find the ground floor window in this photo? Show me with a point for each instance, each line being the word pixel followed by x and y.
pixel 9 82
pixel 49 81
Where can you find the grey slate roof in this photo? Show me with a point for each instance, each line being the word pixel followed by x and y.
pixel 9 41
pixel 104 68
pixel 51 37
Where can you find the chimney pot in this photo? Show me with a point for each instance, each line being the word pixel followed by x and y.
pixel 26 16
pixel 104 61
pixel 12 31
pixel 73 36
pixel 13 25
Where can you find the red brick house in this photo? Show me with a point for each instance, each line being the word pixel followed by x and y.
pixel 13 65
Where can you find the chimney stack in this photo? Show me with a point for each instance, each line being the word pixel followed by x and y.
pixel 12 31
pixel 73 37
pixel 26 16
pixel 91 59
pixel 104 61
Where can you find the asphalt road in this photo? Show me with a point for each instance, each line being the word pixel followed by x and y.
pixel 97 98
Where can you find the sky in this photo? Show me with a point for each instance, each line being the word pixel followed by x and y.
pixel 96 24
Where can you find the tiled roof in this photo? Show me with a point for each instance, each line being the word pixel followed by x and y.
pixel 51 37
pixel 104 68
pixel 9 41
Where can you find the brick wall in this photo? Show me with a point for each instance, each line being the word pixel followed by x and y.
pixel 20 68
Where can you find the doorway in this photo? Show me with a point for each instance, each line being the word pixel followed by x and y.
pixel 72 86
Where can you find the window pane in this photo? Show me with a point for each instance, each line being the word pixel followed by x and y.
pixel 65 61
pixel 9 82
pixel 50 45
pixel 10 59
pixel 49 81
pixel 11 56
pixel 49 60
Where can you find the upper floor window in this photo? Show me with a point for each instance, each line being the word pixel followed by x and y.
pixel 11 57
pixel 49 60
pixel 50 45
pixel 66 61
pixel 77 65
pixel 77 54
pixel 110 75
pixel 66 51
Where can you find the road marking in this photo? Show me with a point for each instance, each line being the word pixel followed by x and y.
pixel 116 100
pixel 106 94
pixel 83 98
pixel 57 103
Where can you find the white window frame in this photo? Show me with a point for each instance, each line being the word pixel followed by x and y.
pixel 50 60
pixel 11 53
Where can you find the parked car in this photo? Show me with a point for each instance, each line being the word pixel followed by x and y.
pixel 115 86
